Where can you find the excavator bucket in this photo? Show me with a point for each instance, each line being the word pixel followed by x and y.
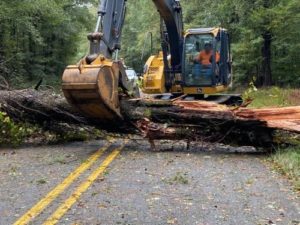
pixel 93 88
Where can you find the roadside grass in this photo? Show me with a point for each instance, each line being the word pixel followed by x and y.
pixel 274 96
pixel 287 159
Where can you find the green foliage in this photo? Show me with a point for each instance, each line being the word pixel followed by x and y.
pixel 248 94
pixel 148 113
pixel 15 134
pixel 274 96
pixel 77 135
pixel 141 20
pixel 64 133
pixel 11 133
pixel 39 37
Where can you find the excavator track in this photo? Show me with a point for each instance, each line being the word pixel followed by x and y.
pixel 223 99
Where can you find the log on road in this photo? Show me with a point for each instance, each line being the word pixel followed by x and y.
pixel 196 112
pixel 193 120
pixel 209 121
pixel 29 105
pixel 286 118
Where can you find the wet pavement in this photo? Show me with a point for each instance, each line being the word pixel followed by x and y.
pixel 207 185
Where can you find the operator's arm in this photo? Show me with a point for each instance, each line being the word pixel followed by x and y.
pixel 218 57
pixel 199 58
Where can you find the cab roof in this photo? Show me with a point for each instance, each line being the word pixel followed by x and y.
pixel 209 30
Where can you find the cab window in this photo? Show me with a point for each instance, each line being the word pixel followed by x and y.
pixel 199 58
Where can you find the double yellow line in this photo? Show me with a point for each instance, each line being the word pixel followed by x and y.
pixel 59 189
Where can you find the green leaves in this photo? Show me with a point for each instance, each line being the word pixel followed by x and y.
pixel 141 19
pixel 41 36
pixel 11 134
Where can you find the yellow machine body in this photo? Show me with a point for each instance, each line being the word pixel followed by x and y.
pixel 154 78
pixel 154 81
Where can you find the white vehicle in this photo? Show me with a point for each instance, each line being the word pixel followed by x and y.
pixel 133 79
pixel 131 74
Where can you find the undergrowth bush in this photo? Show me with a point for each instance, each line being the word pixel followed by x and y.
pixel 11 133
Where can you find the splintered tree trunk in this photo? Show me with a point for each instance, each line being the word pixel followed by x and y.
pixel 200 120
pixel 157 119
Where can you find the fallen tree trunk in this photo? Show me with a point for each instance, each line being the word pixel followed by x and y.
pixel 30 105
pixel 285 118
pixel 198 120
pixel 192 121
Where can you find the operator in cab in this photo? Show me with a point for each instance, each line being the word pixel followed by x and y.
pixel 205 56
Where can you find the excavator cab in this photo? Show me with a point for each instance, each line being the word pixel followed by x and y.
pixel 205 71
pixel 208 76
pixel 206 61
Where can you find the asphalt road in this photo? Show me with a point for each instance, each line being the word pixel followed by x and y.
pixel 79 184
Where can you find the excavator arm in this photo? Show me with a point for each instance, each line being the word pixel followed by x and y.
pixel 93 85
pixel 172 35
pixel 111 16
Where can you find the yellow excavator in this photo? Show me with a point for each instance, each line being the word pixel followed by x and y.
pixel 94 85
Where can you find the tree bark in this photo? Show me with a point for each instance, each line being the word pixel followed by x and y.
pixel 266 67
pixel 266 73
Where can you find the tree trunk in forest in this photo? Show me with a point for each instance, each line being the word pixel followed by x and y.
pixel 266 70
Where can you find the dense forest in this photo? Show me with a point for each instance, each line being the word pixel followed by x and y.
pixel 38 38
